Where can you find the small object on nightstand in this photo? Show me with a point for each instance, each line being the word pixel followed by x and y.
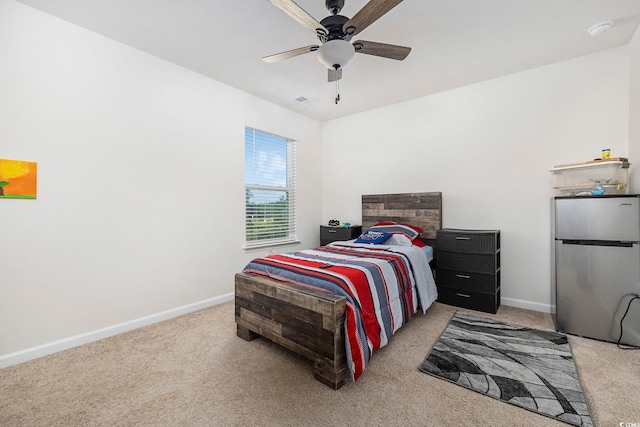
pixel 331 234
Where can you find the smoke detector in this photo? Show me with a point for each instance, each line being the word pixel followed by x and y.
pixel 599 28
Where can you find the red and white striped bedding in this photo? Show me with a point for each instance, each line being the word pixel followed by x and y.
pixel 384 285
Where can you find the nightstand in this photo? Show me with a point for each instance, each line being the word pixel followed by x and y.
pixel 468 268
pixel 330 234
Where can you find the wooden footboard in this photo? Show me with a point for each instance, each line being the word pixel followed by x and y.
pixel 307 321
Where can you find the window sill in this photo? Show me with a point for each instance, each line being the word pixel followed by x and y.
pixel 250 247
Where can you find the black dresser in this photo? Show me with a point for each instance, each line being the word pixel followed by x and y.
pixel 468 268
pixel 330 234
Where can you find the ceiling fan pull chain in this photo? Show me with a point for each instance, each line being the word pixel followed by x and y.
pixel 337 91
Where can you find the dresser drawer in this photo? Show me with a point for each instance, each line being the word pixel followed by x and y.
pixel 468 241
pixel 468 282
pixel 330 234
pixel 471 263
pixel 488 303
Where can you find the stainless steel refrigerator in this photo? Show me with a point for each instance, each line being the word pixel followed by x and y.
pixel 597 266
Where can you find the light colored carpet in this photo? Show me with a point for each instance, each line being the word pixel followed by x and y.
pixel 194 371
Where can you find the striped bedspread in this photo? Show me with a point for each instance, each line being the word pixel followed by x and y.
pixel 384 286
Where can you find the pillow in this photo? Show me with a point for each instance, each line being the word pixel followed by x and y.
pixel 373 237
pixel 398 240
pixel 417 229
pixel 419 243
pixel 396 229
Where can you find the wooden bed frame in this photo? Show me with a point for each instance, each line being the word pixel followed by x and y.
pixel 308 321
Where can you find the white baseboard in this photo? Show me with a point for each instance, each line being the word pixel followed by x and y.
pixel 25 355
pixel 528 305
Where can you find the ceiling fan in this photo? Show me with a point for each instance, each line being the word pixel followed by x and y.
pixel 335 33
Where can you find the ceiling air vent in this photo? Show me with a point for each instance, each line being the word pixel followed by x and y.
pixel 304 100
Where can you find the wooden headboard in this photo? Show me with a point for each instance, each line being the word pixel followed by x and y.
pixel 423 210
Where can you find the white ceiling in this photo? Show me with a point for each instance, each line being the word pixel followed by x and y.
pixel 454 43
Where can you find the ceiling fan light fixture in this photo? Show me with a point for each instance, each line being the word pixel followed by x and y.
pixel 335 54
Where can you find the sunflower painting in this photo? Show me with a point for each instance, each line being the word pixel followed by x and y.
pixel 18 179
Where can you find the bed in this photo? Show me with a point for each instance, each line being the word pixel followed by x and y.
pixel 310 321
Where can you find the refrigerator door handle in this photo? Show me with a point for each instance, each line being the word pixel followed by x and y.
pixel 598 243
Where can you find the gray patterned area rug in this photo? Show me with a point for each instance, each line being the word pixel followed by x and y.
pixel 526 367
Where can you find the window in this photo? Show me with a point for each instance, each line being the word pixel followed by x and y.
pixel 270 192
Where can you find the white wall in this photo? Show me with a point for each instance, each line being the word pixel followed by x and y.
pixel 634 111
pixel 488 147
pixel 140 198
pixel 140 205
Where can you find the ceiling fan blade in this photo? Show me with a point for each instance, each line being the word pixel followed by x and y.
pixel 334 75
pixel 384 50
pixel 289 54
pixel 368 15
pixel 299 14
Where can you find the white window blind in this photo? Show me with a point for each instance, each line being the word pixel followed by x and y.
pixel 270 191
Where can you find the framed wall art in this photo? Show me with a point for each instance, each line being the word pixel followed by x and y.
pixel 18 179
